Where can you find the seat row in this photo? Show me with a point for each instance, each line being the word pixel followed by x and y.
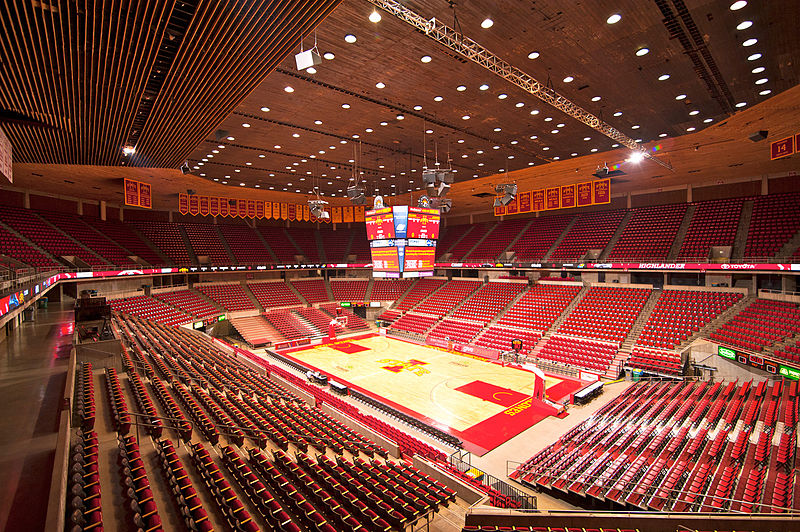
pixel 119 409
pixel 140 501
pixel 84 509
pixel 85 407
pixel 182 489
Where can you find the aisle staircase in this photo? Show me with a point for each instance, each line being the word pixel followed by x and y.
pixel 615 237
pixel 680 236
pixel 740 242
pixel 560 238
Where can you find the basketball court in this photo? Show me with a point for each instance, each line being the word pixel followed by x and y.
pixel 481 402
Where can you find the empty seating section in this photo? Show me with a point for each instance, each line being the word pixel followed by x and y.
pixel 485 304
pixel 282 247
pixel 47 237
pixel 491 248
pixel 590 231
pixel 359 246
pixel 655 360
pixel 499 337
pixel 188 301
pixel 182 489
pixel 447 297
pixel 16 248
pixel 682 447
pixel 605 313
pixel 74 226
pixel 450 236
pixel 540 307
pixel 589 354
pixel 335 244
pixel 762 324
pixel 349 290
pixel 714 224
pixel 312 290
pixel 468 241
pixel 318 319
pixel 125 236
pixel 274 294
pixel 205 241
pixel 150 309
pixel 540 236
pixel 650 233
pixel 288 324
pixel 168 238
pixel 455 330
pixel 680 314
pixel 255 330
pixel 307 242
pixel 354 323
pixel 246 246
pixel 419 291
pixel 383 290
pixel 789 352
pixel 415 323
pixel 85 408
pixel 775 220
pixel 231 297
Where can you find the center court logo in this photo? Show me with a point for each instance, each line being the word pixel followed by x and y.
pixel 397 366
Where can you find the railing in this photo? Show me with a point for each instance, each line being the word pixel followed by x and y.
pixel 461 462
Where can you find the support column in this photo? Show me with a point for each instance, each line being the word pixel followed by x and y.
pixel 688 193
pixel 628 197
pixel 170 216
pixel 80 207
pixel 102 209
pixel 121 215
pixel 764 185
pixel 26 200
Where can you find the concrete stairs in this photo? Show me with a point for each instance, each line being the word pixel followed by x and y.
pixel 789 341
pixel 297 249
pixel 478 243
pixel 403 295
pixel 455 243
pixel 328 290
pixel 185 237
pixel 314 330
pixel 266 246
pixel 297 293
pixel 31 243
pixel 789 247
pixel 251 295
pixel 680 236
pixel 516 238
pixel 627 343
pixel 225 244
pixel 320 249
pixel 615 238
pixel 208 300
pixel 615 368
pixel 152 246
pixel 78 242
pixel 740 242
pixel 560 238
pixel 368 293
pixel 561 319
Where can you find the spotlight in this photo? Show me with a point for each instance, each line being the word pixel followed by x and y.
pixel 356 194
pixel 307 59
pixel 317 208
pixel 185 168
pixel 443 188
pixel 128 150
pixel 636 157
pixel 509 191
pixel 444 205
pixel 374 17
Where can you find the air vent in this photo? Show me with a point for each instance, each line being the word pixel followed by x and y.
pixel 483 195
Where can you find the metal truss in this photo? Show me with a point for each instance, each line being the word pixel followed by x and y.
pixel 476 53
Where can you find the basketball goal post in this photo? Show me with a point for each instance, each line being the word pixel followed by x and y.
pixel 514 356
pixel 339 321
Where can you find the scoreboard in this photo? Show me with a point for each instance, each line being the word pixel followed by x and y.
pixel 402 240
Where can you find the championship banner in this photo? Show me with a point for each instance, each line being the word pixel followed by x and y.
pixel 584 194
pixel 781 148
pixel 601 191
pixel 511 208
pixel 183 203
pixel 242 208
pixel 524 199
pixel 347 213
pixel 267 210
pixel 567 196
pixel 131 192
pixel 553 198
pixel 259 209
pixel 203 205
pixel 276 210
pixel 194 205
pixel 292 212
pixel 251 208
pixel 284 211
pixel 224 207
pixel 336 215
pixel 306 212
pixel 538 200
pixel 213 206
pixel 499 210
pixel 358 213
pixel 145 196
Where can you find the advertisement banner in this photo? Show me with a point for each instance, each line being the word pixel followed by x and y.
pixel 601 191
pixel 524 199
pixel 204 205
pixel 553 196
pixel 213 206
pixel 584 194
pixel 145 196
pixel 567 196
pixel 183 203
pixel 538 200
pixel 194 205
pixel 131 192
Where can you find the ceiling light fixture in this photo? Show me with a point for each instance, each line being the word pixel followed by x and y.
pixel 663 77
pixel 288 88
pixel 642 51
pixel 374 17
pixel 484 87
pixel 744 25
pixel 328 55
pixel 739 4
pixel 533 55
pixel 749 42
pixel 350 38
pixel 569 79
pixel 380 85
pixel 613 19
pixel 487 23
pixel 425 59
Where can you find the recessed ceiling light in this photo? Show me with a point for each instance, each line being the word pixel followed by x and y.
pixel 437 98
pixel 342 141
pixel 510 156
pixel 613 19
pixel 635 126
pixel 680 97
pixel 574 154
pixel 288 88
pixel 356 136
pixel 754 57
pixel 690 129
pixel 465 117
pixel 533 55
pixel 425 59
pixel 221 146
pixel 749 42
pixel 277 146
pixel 744 25
pixel 741 104
pixel 480 164
pixel 214 151
pixel 479 152
pixel 535 112
pixel 761 81
pixel 484 87
pixel 461 88
pixel 618 113
pixel 638 141
pixel 495 147
pixel 497 129
pixel 662 135
pixel 345 106
pixel 265 109
pixel 569 79
pixel 461 141
pixel 593 150
pixel 663 77
pixel 559 125
pixel 350 38
pixel 418 108
pixel 519 104
pixel 375 17
pixel 216 179
pixel 249 164
pixel 548 119
pixel 765 92
pixel 708 120
pixel 587 138
pixel 428 131
pixel 554 131
pixel 328 55
pixel 694 112
pixel 296 135
pixel 514 142
pixel 241 184
pixel 739 4
pixel 758 70
pixel 546 148
pixel 231 138
pixel 596 98
pixel 400 117
pixel 487 23
pixel 318 122
pixel 502 96
pixel 556 158
pixel 533 137
pixel 311 70
pixel 380 85
pixel 384 123
pixel 369 130
pixel 642 51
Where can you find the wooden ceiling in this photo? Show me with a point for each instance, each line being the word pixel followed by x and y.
pixel 83 78
pixel 295 140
